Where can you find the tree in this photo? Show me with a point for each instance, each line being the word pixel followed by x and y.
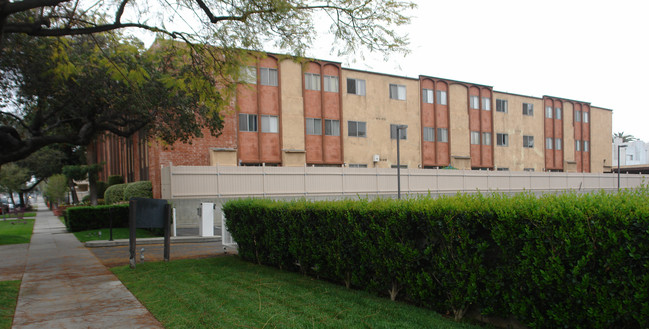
pixel 72 89
pixel 55 189
pixel 12 179
pixel 625 138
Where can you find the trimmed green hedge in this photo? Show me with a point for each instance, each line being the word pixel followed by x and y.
pixel 114 193
pixel 115 179
pixel 142 189
pixel 572 261
pixel 91 218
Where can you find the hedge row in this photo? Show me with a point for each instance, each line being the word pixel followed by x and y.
pixel 91 218
pixel 571 261
pixel 124 192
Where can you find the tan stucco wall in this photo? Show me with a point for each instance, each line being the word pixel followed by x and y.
pixel 601 123
pixel 292 115
pixel 516 125
pixel 223 157
pixel 459 136
pixel 379 111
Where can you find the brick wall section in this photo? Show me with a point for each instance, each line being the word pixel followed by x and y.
pixel 195 154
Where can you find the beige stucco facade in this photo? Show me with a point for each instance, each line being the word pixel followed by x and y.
pixel 379 111
pixel 459 131
pixel 515 124
pixel 292 118
pixel 601 131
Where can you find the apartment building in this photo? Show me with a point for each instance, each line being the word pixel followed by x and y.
pixel 317 113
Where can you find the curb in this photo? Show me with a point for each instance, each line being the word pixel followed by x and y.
pixel 174 239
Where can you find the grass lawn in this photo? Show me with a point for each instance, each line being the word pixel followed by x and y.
pixel 15 232
pixel 118 233
pixel 11 215
pixel 8 300
pixel 226 292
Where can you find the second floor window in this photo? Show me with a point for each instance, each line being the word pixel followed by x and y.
pixel 398 92
pixel 331 83
pixel 332 127
pixel 356 87
pixel 427 95
pixel 442 135
pixel 311 81
pixel 313 126
pixel 528 141
pixel 429 134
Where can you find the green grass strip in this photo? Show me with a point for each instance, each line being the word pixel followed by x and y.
pixel 16 231
pixel 12 215
pixel 118 233
pixel 8 299
pixel 226 292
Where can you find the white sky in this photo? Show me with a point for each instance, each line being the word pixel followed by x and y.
pixel 588 50
pixel 593 51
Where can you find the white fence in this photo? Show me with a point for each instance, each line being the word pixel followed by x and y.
pixel 232 182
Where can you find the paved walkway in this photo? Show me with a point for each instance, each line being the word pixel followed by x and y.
pixel 65 286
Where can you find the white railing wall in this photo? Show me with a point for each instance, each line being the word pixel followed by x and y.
pixel 192 182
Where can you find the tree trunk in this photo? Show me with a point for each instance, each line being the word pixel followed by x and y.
pixel 73 192
pixel 91 159
pixel 21 196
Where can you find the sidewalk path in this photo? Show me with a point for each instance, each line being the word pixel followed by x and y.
pixel 65 286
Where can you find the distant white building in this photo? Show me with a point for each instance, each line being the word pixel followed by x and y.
pixel 636 153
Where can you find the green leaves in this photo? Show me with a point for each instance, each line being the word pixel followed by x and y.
pixel 577 261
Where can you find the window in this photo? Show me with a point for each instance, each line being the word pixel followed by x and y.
pixel 331 83
pixel 577 145
pixel 586 146
pixel 357 165
pixel 356 129
pixel 332 127
pixel 548 112
pixel 528 169
pixel 441 97
pixel 486 138
pixel 269 124
pixel 248 74
pixel 247 122
pixel 311 81
pixel 442 135
pixel 502 169
pixel 398 92
pixel 528 142
pixel 313 126
pixel 585 117
pixel 356 87
pixel 393 132
pixel 474 102
pixel 557 143
pixel 528 109
pixel 475 138
pixel 429 134
pixel 502 139
pixel 486 103
pixel 402 166
pixel 501 105
pixel 427 94
pixel 577 116
pixel 548 143
pixel 557 113
pixel 268 76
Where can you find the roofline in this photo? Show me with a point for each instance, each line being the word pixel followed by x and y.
pixel 379 73
pixel 521 95
pixel 457 81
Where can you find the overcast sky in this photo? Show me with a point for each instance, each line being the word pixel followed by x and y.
pixel 593 51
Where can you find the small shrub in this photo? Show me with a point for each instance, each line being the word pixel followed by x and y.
pixel 141 189
pixel 114 193
pixel 115 179
pixel 96 217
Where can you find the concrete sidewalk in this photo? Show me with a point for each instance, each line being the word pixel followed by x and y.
pixel 65 286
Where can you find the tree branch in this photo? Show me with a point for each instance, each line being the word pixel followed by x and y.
pixel 20 6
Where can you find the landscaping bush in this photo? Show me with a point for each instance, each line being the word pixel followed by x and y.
pixel 114 193
pixel 101 189
pixel 96 217
pixel 142 189
pixel 115 179
pixel 577 261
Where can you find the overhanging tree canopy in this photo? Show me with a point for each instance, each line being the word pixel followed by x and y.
pixel 70 89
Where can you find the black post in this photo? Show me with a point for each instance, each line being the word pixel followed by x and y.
pixel 167 228
pixel 110 223
pixel 398 163
pixel 131 230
